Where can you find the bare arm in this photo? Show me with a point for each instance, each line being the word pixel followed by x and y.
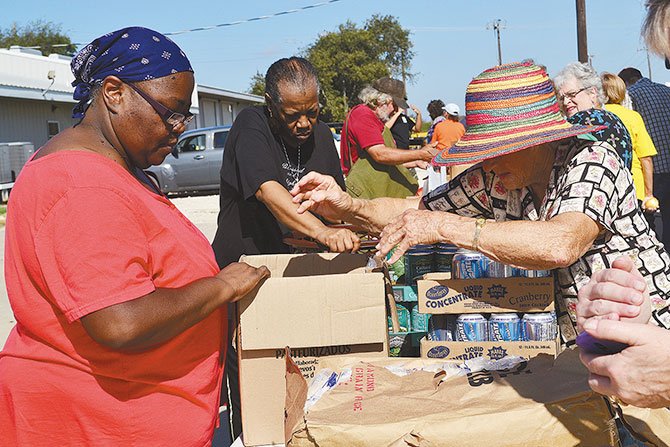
pixel 558 242
pixel 150 320
pixel 280 203
pixel 418 123
pixel 375 214
pixel 322 195
pixel 390 156
pixel 393 118
pixel 555 243
pixel 648 175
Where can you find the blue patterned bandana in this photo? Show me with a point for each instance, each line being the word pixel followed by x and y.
pixel 131 54
pixel 615 133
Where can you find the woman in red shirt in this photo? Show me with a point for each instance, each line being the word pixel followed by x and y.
pixel 118 299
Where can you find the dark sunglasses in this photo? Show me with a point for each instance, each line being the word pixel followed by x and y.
pixel 171 117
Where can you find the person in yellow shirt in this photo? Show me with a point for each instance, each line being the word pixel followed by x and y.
pixel 643 147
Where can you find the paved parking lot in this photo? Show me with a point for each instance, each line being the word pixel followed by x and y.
pixel 202 210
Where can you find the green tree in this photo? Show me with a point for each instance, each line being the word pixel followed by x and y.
pixel 47 36
pixel 351 58
pixel 257 86
pixel 393 44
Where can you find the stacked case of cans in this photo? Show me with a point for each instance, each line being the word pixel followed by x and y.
pixel 506 326
pixel 467 264
pixel 497 327
pixel 413 325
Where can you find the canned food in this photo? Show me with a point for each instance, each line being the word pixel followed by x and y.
pixel 397 269
pixel 504 327
pixel 404 317
pixel 468 265
pixel 438 328
pixel 471 327
pixel 534 273
pixel 418 261
pixel 495 269
pixel 444 256
pixel 538 327
pixel 419 321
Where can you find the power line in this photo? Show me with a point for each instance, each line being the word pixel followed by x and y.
pixel 253 19
pixel 206 28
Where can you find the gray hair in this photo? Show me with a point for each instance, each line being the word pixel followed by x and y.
pixel 585 75
pixel 655 27
pixel 372 97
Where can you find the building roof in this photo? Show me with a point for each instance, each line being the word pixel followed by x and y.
pixel 203 89
pixel 27 74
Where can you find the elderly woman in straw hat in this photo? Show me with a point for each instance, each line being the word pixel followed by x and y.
pixel 544 194
pixel 120 306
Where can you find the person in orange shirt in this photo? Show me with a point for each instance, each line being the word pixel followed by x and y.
pixel 450 130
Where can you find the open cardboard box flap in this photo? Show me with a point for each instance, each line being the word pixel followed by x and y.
pixel 313 264
pixel 329 309
pixel 341 307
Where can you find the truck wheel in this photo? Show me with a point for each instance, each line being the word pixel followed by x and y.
pixel 4 195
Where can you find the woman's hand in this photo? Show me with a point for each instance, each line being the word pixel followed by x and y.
pixel 339 240
pixel 410 228
pixel 322 195
pixel 617 293
pixel 241 278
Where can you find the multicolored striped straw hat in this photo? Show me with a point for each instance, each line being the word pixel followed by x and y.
pixel 509 108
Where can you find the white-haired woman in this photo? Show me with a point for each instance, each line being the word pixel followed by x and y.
pixel 580 95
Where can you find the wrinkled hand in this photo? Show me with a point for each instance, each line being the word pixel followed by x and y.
pixel 339 240
pixel 617 293
pixel 242 278
pixel 322 195
pixel 640 374
pixel 410 228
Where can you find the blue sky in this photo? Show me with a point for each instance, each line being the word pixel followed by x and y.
pixel 450 38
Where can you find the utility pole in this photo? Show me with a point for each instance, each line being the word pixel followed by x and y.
pixel 582 47
pixel 646 51
pixel 497 25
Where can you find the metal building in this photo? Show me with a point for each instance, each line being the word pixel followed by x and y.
pixel 36 98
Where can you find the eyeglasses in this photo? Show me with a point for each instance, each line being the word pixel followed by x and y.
pixel 171 117
pixel 570 95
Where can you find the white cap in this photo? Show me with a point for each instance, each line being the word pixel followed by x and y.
pixel 452 109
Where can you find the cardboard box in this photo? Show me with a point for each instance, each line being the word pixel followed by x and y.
pixel 493 350
pixel 438 294
pixel 458 296
pixel 320 305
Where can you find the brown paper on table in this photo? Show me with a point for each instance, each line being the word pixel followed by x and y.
pixel 538 403
pixel 649 425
